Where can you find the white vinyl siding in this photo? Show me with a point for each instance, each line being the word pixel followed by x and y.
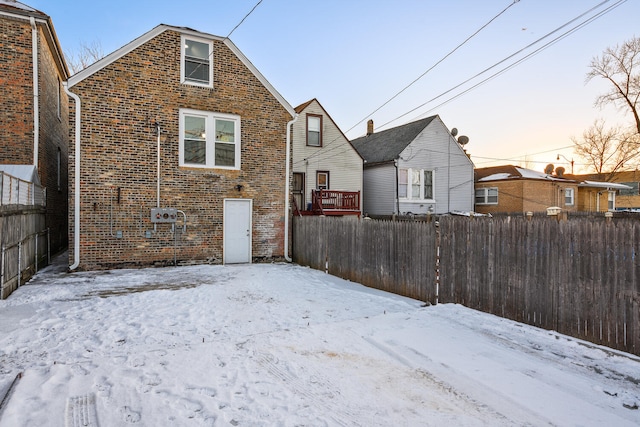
pixel 434 149
pixel 336 155
pixel 379 187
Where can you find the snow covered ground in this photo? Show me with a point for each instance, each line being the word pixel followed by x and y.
pixel 282 345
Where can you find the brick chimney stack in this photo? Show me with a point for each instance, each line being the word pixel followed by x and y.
pixel 370 127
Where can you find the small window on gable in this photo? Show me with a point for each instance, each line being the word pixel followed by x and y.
pixel 196 63
pixel 314 130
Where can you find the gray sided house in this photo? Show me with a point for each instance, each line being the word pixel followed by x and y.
pixel 415 168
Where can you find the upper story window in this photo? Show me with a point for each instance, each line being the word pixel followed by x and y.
pixel 195 67
pixel 415 184
pixel 209 140
pixel 569 198
pixel 487 196
pixel 314 130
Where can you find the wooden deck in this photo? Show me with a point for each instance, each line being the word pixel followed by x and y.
pixel 332 203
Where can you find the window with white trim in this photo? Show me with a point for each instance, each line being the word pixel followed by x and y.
pixel 569 198
pixel 415 184
pixel 611 201
pixel 195 62
pixel 314 130
pixel 487 196
pixel 209 140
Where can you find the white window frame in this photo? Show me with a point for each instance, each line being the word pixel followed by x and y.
pixel 210 142
pixel 611 201
pixel 421 196
pixel 183 78
pixel 485 196
pixel 569 194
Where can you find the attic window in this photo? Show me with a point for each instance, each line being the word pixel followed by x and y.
pixel 314 130
pixel 196 61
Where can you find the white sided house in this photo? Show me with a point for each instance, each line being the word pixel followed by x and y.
pixel 417 168
pixel 327 169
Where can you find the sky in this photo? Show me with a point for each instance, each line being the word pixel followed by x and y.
pixel 357 56
pixel 284 345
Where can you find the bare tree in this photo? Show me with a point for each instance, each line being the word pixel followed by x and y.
pixel 621 67
pixel 607 150
pixel 84 56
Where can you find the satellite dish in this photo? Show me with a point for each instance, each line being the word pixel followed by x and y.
pixel 463 140
pixel 549 169
pixel 454 132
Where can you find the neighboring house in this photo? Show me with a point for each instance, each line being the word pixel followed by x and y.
pixel 34 131
pixel 512 189
pixel 179 155
pixel 327 170
pixel 416 168
pixel 624 198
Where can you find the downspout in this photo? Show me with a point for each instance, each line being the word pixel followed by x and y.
pixel 36 107
pixel 286 190
pixel 395 164
pixel 76 182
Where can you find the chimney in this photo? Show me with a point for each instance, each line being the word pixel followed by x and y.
pixel 370 127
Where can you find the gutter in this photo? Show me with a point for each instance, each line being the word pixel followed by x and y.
pixel 286 190
pixel 76 181
pixel 36 107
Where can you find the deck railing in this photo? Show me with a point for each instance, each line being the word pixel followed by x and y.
pixel 335 202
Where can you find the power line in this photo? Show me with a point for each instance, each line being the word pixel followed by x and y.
pixel 434 65
pixel 565 34
pixel 242 20
pixel 414 81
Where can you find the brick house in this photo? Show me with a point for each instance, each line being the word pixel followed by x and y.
pixel 34 129
pixel 512 189
pixel 178 155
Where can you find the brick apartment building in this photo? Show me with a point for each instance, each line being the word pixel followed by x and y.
pixel 182 155
pixel 34 108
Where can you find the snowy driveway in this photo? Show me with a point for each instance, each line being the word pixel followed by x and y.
pixel 282 345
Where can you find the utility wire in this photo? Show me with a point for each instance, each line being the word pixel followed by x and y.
pixel 434 65
pixel 410 84
pixel 565 34
pixel 245 17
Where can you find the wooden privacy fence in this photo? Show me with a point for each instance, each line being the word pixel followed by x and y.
pixel 580 277
pixel 24 247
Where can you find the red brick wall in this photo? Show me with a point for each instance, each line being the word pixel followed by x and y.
pixel 16 92
pixel 54 137
pixel 521 195
pixel 17 117
pixel 120 104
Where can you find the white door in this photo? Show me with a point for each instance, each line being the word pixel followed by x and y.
pixel 237 231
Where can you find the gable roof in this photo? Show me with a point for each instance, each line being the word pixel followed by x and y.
pixel 20 10
pixel 300 108
pixel 114 56
pixel 385 146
